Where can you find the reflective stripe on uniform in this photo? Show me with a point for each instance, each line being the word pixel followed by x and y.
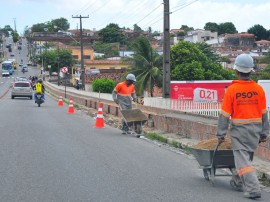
pixel 226 114
pixel 246 121
pixel 245 170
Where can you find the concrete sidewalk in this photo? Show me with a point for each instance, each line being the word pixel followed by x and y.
pixel 262 166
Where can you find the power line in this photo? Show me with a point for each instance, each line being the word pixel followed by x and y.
pixel 183 6
pixel 86 5
pixel 89 6
pixel 119 14
pixel 141 7
pixel 100 7
pixel 149 14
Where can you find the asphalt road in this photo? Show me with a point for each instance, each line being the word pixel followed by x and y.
pixel 47 154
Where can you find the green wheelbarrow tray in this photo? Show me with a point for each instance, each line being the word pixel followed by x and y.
pixel 133 116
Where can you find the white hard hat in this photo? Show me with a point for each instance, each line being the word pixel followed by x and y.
pixel 131 77
pixel 244 63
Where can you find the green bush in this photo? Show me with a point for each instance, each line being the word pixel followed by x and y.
pixel 103 85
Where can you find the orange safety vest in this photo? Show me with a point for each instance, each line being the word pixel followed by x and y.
pixel 245 102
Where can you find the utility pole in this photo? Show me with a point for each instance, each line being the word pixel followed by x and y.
pixel 82 61
pixel 15 24
pixel 166 51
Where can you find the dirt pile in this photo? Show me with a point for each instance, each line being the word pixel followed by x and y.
pixel 212 143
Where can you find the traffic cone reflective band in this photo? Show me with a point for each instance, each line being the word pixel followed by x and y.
pixel 60 101
pixel 70 106
pixel 100 118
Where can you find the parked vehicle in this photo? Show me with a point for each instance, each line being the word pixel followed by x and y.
pixel 22 89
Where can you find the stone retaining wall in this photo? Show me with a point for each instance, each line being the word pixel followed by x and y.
pixel 184 124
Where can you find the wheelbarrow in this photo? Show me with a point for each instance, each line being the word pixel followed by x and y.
pixel 135 119
pixel 211 160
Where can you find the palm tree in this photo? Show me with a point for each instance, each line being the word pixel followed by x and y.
pixel 146 65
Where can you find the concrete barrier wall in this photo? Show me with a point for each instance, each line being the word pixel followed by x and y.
pixel 169 121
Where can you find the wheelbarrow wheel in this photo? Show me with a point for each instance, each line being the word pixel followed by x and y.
pixel 206 173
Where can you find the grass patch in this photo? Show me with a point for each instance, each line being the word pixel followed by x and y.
pixel 175 144
pixel 154 136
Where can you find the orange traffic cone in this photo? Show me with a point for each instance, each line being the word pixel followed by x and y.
pixel 100 118
pixel 60 101
pixel 70 107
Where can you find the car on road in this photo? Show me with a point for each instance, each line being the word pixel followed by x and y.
pixel 25 68
pixel 20 78
pixel 21 89
pixel 12 54
pixel 21 64
pixel 5 73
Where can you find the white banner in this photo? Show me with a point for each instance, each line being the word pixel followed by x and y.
pixel 203 94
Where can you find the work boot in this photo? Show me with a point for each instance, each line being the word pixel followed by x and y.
pixel 235 186
pixel 252 195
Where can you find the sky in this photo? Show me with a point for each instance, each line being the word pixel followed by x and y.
pixel 145 13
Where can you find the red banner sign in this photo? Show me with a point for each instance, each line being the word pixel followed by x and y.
pixel 199 91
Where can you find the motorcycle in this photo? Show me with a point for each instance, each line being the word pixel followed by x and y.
pixel 23 70
pixel 39 99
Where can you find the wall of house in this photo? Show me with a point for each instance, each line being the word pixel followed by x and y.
pixel 86 52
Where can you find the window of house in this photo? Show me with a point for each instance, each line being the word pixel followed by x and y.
pixel 112 67
pixel 92 67
pixel 123 68
pixel 87 57
pixel 75 57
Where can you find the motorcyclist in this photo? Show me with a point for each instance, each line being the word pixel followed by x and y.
pixel 39 89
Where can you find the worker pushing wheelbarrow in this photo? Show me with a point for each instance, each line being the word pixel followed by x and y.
pixel 123 95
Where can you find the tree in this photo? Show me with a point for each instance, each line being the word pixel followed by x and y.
pixel 38 27
pixel 227 28
pixel 136 28
pixel 206 49
pixel 52 56
pixel 186 28
pixel 146 66
pixel 109 49
pixel 58 24
pixel 7 30
pixel 212 26
pixel 188 62
pixel 112 33
pixel 15 36
pixel 259 31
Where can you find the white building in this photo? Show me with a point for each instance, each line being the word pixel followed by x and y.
pixel 199 35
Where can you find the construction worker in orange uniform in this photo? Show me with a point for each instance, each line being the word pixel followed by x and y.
pixel 123 95
pixel 245 102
